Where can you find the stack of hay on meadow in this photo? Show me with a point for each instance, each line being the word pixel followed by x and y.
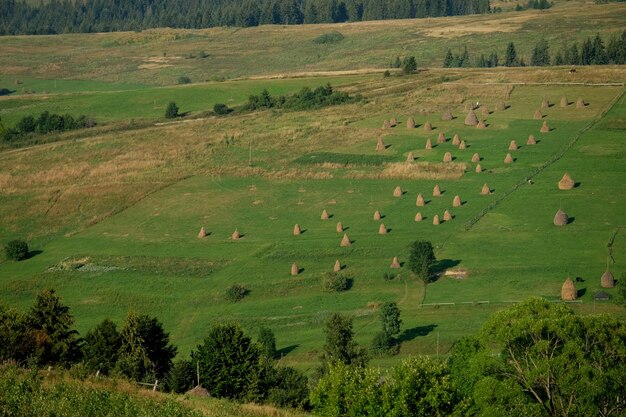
pixel 377 215
pixel 345 241
pixel 476 157
pixel 580 103
pixel 436 219
pixel 236 235
pixel 418 217
pixel 545 103
pixel 420 200
pixel 478 169
pixel 294 269
pixel 508 158
pixel 485 190
pixel 198 391
pixel 566 183
pixel 538 115
pixel 428 126
pixel 393 122
pixel 382 229
pixel 481 125
pixel 607 280
pixel 470 105
pixel 397 192
pixel 513 146
pixel 501 106
pixel 436 191
pixel 544 128
pixel 410 157
pixel 339 227
pixel 429 144
pixel 564 102
pixel 447 157
pixel 484 111
pixel 337 266
pixel 447 116
pixel 447 216
pixel 560 218
pixel 395 263
pixel 471 119
pixel 296 230
pixel 202 233
pixel 410 123
pixel 386 124
pixel 531 140
pixel 568 290
pixel 456 140
pixel 456 202
pixel 462 145
pixel 441 138
pixel 380 145
pixel 324 215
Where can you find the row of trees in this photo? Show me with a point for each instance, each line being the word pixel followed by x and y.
pixel 46 123
pixel 22 17
pixel 303 100
pixel 592 51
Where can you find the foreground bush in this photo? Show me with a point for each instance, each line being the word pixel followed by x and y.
pixel 16 250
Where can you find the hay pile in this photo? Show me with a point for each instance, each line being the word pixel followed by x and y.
pixel 377 215
pixel 481 125
pixel 337 266
pixel 447 157
pixel 436 191
pixel 564 102
pixel 568 290
pixel 538 115
pixel 236 235
pixel 531 140
pixel 397 192
pixel 580 103
pixel 395 264
pixel 428 127
pixel 470 105
pixel 513 146
pixel 202 233
pixel 429 144
pixel 485 190
pixel 484 111
pixel 560 218
pixel 386 124
pixel 294 269
pixel 456 202
pixel 418 217
pixel 441 138
pixel 324 215
pixel 345 241
pixel 436 219
pixel 447 216
pixel 566 183
pixel 478 169
pixel 296 230
pixel 198 391
pixel 447 116
pixel 410 123
pixel 544 128
pixel 462 145
pixel 607 280
pixel 476 157
pixel 420 200
pixel 456 140
pixel 508 158
pixel 501 106
pixel 339 227
pixel 380 145
pixel 410 157
pixel 382 230
pixel 471 119
pixel 545 103
pixel 393 122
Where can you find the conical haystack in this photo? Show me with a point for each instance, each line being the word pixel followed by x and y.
pixel 447 116
pixel 436 191
pixel 420 200
pixel 607 280
pixel 538 115
pixel 456 202
pixel 447 216
pixel 441 138
pixel 429 144
pixel 462 145
pixel 410 157
pixel 471 119
pixel 236 235
pixel 386 124
pixel 294 269
pixel 395 264
pixel 418 217
pixel 485 190
pixel 324 215
pixel 564 102
pixel 478 169
pixel 337 266
pixel 470 105
pixel 436 219
pixel 476 157
pixel 560 218
pixel 198 391
pixel 397 192
pixel 202 233
pixel 380 145
pixel 410 123
pixel 568 290
pixel 544 127
pixel 428 126
pixel 513 146
pixel 447 157
pixel 296 230
pixel 566 183
pixel 345 241
pixel 545 103
pixel 481 125
pixel 339 227
pixel 456 140
pixel 580 103
pixel 393 122
pixel 531 140
pixel 382 229
pixel 484 111
pixel 508 158
pixel 377 215
pixel 501 106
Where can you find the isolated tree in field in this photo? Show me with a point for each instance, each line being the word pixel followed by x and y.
pixel 267 340
pixel 421 259
pixel 101 348
pixel 16 250
pixel 390 321
pixel 340 346
pixel 448 60
pixel 409 65
pixel 510 59
pixel 171 111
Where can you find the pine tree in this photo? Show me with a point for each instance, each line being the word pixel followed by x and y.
pixel 511 56
pixel 541 54
pixel 448 60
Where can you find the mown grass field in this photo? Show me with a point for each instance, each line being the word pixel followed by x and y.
pixel 128 203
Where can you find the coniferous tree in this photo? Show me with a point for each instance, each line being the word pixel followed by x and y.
pixel 511 56
pixel 541 54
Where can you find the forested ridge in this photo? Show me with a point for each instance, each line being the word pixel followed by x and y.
pixel 17 17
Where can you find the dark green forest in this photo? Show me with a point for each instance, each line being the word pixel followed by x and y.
pixel 17 17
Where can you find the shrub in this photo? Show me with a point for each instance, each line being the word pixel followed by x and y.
pixel 220 108
pixel 386 74
pixel 330 37
pixel 16 250
pixel 171 111
pixel 183 79
pixel 236 292
pixel 335 282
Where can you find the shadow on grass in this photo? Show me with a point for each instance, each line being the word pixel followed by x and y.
pixel 33 253
pixel 286 350
pixel 444 264
pixel 410 334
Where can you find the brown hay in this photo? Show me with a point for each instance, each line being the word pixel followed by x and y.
pixel 470 105
pixel 538 115
pixel 566 183
pixel 380 145
pixel 544 128
pixel 296 230
pixel 531 140
pixel 447 157
pixel 560 218
pixel 568 290
pixel 324 215
pixel 393 122
pixel 481 125
pixel 382 230
pixel 607 280
pixel 545 103
pixel 345 241
pixel 456 140
pixel 198 391
pixel 377 215
pixel 436 191
pixel 420 200
pixel 397 192
pixel 447 216
pixel 429 144
pixel 410 123
pixel 564 102
pixel 580 103
pixel 508 159
pixel 441 138
pixel 386 124
pixel 462 145
pixel 485 190
pixel 471 119
pixel 395 264
pixel 447 116
pixel 236 235
pixel 478 169
pixel 410 157
pixel 501 106
pixel 456 202
pixel 337 266
pixel 476 157
pixel 484 111
pixel 202 233
pixel 436 219
pixel 294 269
pixel 428 126
pixel 513 146
pixel 339 227
pixel 418 217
